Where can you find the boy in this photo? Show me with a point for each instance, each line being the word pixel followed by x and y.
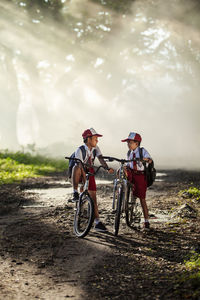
pixel 136 173
pixel 90 139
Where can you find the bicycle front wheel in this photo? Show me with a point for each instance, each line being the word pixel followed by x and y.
pixel 118 209
pixel 84 215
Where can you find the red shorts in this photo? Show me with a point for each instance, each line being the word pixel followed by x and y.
pixel 92 182
pixel 139 184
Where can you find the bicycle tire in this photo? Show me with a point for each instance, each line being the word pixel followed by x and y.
pixel 118 210
pixel 114 196
pixel 129 208
pixel 84 215
pixel 131 213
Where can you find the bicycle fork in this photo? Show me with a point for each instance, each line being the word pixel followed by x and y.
pixel 117 184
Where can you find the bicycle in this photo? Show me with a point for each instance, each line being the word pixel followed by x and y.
pixel 122 194
pixel 84 210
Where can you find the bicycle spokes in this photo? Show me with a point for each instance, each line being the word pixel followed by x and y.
pixel 84 216
pixel 133 213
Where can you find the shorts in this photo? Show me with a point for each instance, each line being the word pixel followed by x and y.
pixel 139 184
pixel 92 182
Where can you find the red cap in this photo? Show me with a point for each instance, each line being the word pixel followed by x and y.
pixel 134 137
pixel 90 132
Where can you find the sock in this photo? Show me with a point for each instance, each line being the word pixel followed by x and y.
pixel 75 191
pixel 146 220
pixel 96 221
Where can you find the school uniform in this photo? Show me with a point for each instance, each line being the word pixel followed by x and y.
pixel 89 159
pixel 136 172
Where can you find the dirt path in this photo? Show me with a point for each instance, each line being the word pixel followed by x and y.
pixel 42 259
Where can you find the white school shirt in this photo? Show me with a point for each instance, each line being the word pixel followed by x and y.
pixel 139 164
pixel 78 153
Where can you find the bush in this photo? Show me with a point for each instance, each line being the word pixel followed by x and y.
pixel 16 166
pixel 192 192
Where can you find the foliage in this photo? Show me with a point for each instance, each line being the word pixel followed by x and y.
pixel 191 278
pixel 41 8
pixel 54 4
pixel 193 263
pixel 16 166
pixel 192 192
pixel 116 5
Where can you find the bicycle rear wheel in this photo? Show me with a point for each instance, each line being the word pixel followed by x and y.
pixel 84 215
pixel 133 215
pixel 118 209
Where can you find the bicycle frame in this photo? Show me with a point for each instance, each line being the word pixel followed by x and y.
pixel 120 181
pixel 86 184
pixel 85 189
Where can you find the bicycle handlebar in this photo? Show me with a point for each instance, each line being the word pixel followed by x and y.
pixel 75 159
pixel 85 165
pixel 97 170
pixel 122 161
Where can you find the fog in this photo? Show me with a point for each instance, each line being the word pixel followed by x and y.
pixel 116 69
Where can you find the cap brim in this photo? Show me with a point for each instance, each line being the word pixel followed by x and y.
pixel 99 135
pixel 125 140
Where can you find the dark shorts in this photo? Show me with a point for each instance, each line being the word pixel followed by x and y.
pixel 139 184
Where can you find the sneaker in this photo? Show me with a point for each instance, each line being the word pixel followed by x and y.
pixel 75 197
pixel 100 227
pixel 146 225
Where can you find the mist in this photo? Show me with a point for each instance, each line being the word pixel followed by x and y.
pixel 116 69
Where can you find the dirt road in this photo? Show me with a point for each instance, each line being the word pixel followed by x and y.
pixel 40 258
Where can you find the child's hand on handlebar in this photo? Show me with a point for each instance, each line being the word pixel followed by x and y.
pixel 149 160
pixel 125 170
pixel 110 171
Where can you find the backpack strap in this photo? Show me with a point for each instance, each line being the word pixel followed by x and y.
pixel 141 152
pixel 95 153
pixel 83 151
pixel 141 157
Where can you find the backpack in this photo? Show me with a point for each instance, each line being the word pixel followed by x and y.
pixel 72 162
pixel 149 170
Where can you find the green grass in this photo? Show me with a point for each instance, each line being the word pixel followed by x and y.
pixel 17 166
pixel 193 276
pixel 190 279
pixel 193 263
pixel 192 192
